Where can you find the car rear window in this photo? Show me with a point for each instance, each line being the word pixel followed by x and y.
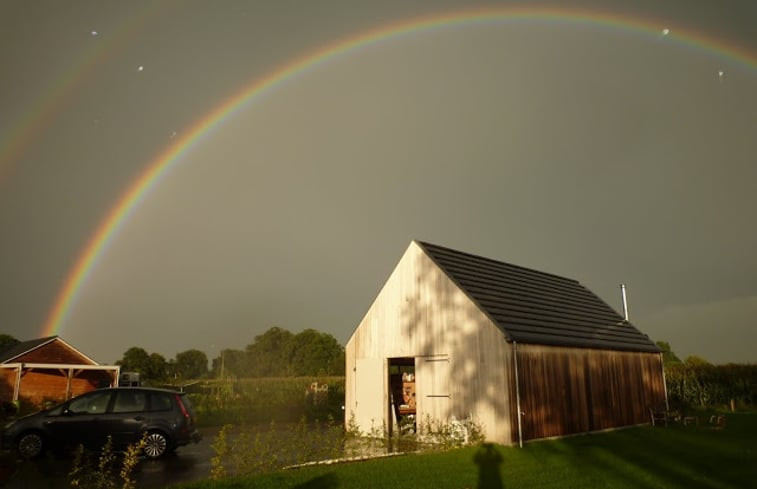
pixel 187 403
pixel 161 401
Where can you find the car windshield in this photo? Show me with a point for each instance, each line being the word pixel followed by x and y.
pixel 56 410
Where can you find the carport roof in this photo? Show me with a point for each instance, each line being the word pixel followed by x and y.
pixel 537 307
pixel 15 351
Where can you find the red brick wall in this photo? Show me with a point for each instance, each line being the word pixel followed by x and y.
pixel 53 352
pixel 7 378
pixel 40 385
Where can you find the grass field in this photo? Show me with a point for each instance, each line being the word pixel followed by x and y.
pixel 675 457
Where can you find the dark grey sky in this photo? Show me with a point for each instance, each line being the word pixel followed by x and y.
pixel 585 150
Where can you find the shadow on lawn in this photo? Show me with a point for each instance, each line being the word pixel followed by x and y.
pixel 488 459
pixel 672 457
pixel 325 481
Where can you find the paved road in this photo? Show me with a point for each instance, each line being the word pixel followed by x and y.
pixel 189 463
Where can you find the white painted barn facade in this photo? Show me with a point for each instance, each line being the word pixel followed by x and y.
pixel 457 335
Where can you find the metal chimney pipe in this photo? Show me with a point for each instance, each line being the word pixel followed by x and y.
pixel 625 301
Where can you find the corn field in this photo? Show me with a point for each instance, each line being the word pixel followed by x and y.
pixel 262 400
pixel 712 385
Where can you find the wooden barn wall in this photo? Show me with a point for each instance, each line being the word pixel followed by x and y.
pixel 571 390
pixel 463 363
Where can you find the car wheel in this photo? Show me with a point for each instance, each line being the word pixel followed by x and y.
pixel 156 444
pixel 30 445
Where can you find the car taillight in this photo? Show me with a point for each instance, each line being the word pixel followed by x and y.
pixel 183 409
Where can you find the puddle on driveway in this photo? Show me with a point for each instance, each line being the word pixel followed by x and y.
pixel 188 463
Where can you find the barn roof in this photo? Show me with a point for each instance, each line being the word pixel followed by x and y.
pixel 537 307
pixel 24 347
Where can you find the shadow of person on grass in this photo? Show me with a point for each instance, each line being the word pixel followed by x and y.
pixel 325 481
pixel 488 459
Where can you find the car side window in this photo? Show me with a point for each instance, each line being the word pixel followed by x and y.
pixel 160 401
pixel 94 403
pixel 129 401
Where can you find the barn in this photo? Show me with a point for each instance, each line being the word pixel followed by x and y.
pixel 50 369
pixel 525 354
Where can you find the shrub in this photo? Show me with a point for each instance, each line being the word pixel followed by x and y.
pixel 103 472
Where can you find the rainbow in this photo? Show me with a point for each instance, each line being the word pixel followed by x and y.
pixel 171 156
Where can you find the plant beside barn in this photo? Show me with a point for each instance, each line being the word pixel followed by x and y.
pixel 246 450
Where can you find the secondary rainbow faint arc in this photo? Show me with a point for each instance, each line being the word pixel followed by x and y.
pixel 106 230
pixel 43 111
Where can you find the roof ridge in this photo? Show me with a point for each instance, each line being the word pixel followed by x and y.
pixel 492 260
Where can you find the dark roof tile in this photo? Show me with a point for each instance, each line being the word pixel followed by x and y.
pixel 537 307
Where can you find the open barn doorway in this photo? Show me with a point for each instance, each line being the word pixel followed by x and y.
pixel 402 406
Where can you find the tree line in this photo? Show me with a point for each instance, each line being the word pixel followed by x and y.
pixel 280 353
pixel 275 353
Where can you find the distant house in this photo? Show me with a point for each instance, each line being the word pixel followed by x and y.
pixel 526 354
pixel 50 369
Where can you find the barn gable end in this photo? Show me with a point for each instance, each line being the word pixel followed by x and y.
pixel 420 314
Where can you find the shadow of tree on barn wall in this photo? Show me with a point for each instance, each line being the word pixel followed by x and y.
pixel 438 315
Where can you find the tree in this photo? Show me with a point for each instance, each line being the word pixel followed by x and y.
pixel 7 341
pixel 269 355
pixel 315 353
pixel 135 359
pixel 157 367
pixel 668 357
pixel 191 364
pixel 695 361
pixel 231 363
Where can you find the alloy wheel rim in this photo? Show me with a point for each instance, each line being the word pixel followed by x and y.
pixel 155 445
pixel 30 445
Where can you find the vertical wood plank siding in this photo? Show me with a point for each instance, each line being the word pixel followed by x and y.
pixel 571 390
pixel 421 313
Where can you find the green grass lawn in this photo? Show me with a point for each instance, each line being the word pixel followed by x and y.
pixel 674 457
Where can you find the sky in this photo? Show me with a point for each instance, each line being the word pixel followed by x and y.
pixel 608 142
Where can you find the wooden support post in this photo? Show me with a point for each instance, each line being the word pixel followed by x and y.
pixel 17 385
pixel 68 383
pixel 664 382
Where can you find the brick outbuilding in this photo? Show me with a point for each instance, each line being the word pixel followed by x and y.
pixel 50 369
